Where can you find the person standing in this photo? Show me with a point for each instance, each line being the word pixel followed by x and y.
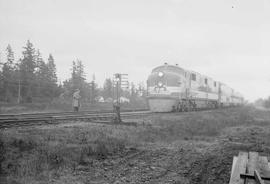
pixel 76 100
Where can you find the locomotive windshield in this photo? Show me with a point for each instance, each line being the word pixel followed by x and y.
pixel 167 75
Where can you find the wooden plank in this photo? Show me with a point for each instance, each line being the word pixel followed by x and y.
pixel 240 168
pixel 233 165
pixel 252 166
pixel 264 169
pixel 258 177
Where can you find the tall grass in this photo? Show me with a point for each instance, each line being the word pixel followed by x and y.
pixel 44 153
pixel 37 153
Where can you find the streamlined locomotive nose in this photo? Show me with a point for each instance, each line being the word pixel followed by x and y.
pixel 163 90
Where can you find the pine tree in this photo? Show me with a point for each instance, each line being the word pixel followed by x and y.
pixel 52 69
pixel 94 90
pixel 78 81
pixel 52 77
pixel 40 64
pixel 41 76
pixel 108 89
pixel 10 56
pixel 27 69
pixel 69 84
pixel 78 75
pixel 8 75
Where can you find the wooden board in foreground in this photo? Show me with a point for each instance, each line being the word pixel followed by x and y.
pixel 245 165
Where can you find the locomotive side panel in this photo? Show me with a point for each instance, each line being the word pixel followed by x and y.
pixel 203 88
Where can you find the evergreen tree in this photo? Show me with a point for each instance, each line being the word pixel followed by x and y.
pixel 78 75
pixel 30 77
pixel 52 69
pixel 27 69
pixel 94 90
pixel 73 74
pixel 40 64
pixel 8 75
pixel 52 77
pixel 78 81
pixel 10 56
pixel 108 89
pixel 41 76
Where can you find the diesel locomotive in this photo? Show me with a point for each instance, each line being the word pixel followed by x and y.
pixel 172 88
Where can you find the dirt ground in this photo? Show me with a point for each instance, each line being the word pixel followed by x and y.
pixel 175 148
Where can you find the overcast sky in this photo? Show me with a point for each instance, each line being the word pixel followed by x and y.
pixel 228 40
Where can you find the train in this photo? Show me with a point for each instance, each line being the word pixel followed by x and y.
pixel 172 88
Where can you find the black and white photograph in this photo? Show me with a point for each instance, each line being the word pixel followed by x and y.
pixel 134 92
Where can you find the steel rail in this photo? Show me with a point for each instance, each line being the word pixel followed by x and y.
pixel 51 119
pixel 70 112
pixel 41 114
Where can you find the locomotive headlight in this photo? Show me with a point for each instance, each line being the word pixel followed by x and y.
pixel 160 74
pixel 160 84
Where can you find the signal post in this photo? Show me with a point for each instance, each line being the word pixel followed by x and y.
pixel 120 81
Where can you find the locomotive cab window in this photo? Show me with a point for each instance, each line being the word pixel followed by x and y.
pixel 193 77
pixel 205 81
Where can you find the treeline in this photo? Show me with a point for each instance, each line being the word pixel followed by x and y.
pixel 33 79
pixel 263 102
pixel 90 91
pixel 28 78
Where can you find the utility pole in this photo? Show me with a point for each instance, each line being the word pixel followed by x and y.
pixel 19 85
pixel 19 92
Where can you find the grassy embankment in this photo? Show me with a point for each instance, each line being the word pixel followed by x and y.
pixel 43 154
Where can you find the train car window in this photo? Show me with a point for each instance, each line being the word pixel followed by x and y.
pixel 193 77
pixel 205 81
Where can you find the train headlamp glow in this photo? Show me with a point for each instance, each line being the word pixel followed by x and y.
pixel 160 84
pixel 160 74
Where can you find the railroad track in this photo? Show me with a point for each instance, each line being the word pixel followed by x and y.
pixel 30 119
